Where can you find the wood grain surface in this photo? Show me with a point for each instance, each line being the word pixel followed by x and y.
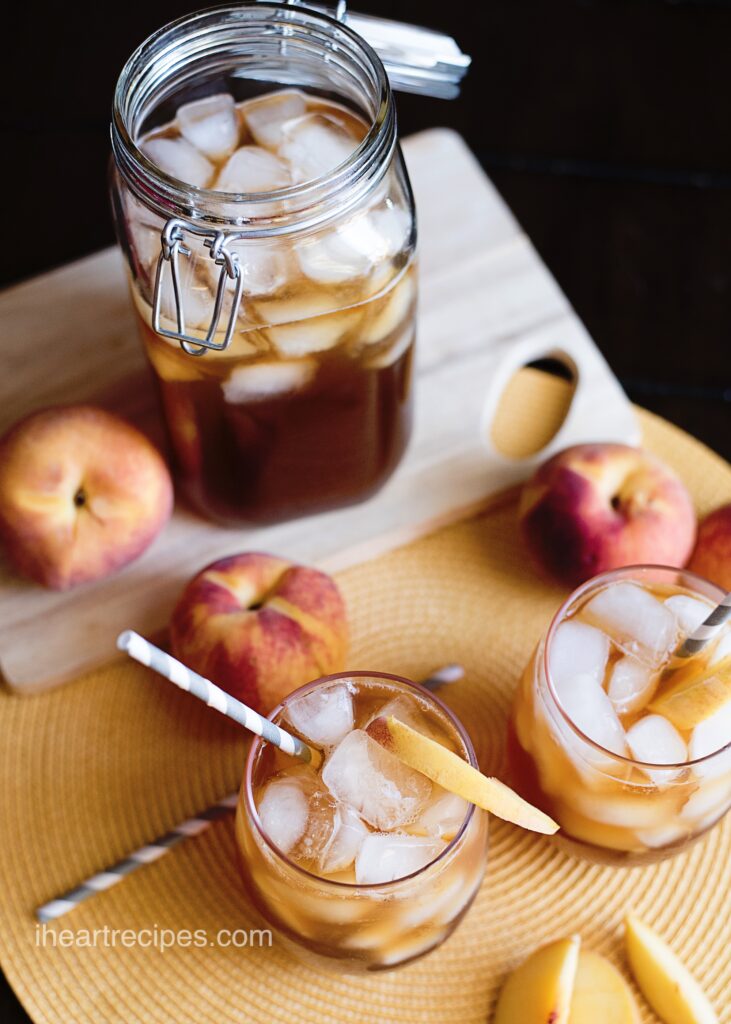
pixel 487 307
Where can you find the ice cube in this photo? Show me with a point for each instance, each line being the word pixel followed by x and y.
pixel 578 649
pixel 307 324
pixel 144 229
pixel 261 382
pixel 329 259
pixel 211 125
pixel 389 228
pixel 385 792
pixel 348 835
pixel 197 302
pixel 264 267
pixel 406 710
pixel 409 946
pixel 441 904
pixel 640 623
pixel 311 305
pixel 384 858
pixel 664 835
pixel 299 815
pixel 378 357
pixel 283 810
pixel 180 160
pixel 313 335
pixel 707 803
pixel 631 685
pixel 147 247
pixel 265 115
pixel 689 612
pixel 708 737
pixel 722 649
pixel 590 709
pixel 442 817
pixel 632 807
pixel 314 145
pixel 388 313
pixel 323 716
pixel 355 247
pixel 252 169
pixel 656 740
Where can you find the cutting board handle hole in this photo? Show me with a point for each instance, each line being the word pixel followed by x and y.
pixel 538 429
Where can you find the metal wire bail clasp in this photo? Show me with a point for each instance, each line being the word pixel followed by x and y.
pixel 171 248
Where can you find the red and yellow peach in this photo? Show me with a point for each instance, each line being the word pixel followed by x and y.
pixel 260 626
pixel 595 507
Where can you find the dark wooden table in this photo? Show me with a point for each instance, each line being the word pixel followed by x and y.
pixel 604 124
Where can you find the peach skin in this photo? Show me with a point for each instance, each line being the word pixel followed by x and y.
pixel 595 507
pixel 260 626
pixel 82 493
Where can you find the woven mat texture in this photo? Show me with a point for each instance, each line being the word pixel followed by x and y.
pixel 95 769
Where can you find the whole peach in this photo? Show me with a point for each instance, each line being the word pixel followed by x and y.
pixel 712 555
pixel 260 626
pixel 595 507
pixel 82 493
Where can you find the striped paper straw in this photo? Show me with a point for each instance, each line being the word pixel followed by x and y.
pixel 443 677
pixel 186 830
pixel 145 855
pixel 147 654
pixel 708 629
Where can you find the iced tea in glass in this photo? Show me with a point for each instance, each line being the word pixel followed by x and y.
pixel 364 864
pixel 629 775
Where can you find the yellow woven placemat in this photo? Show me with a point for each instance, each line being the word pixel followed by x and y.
pixel 91 771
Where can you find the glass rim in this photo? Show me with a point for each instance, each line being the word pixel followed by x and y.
pixel 258 742
pixel 374 151
pixel 636 572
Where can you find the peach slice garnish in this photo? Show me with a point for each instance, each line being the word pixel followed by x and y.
pixel 449 771
pixel 601 995
pixel 665 981
pixel 539 991
pixel 692 693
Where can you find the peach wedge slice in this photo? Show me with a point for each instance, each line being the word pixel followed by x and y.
pixel 690 694
pixel 448 770
pixel 666 983
pixel 601 995
pixel 539 991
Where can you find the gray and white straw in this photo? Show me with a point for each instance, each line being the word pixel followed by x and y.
pixel 708 630
pixel 145 855
pixel 193 826
pixel 147 654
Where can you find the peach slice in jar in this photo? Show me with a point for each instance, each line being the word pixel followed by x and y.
pixel 690 694
pixel 696 690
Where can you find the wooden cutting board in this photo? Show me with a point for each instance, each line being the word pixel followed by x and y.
pixel 488 306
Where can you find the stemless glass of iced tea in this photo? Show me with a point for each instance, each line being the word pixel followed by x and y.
pixel 629 777
pixel 267 222
pixel 365 864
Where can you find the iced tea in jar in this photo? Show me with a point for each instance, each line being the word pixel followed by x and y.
pixel 627 746
pixel 266 218
pixel 364 864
